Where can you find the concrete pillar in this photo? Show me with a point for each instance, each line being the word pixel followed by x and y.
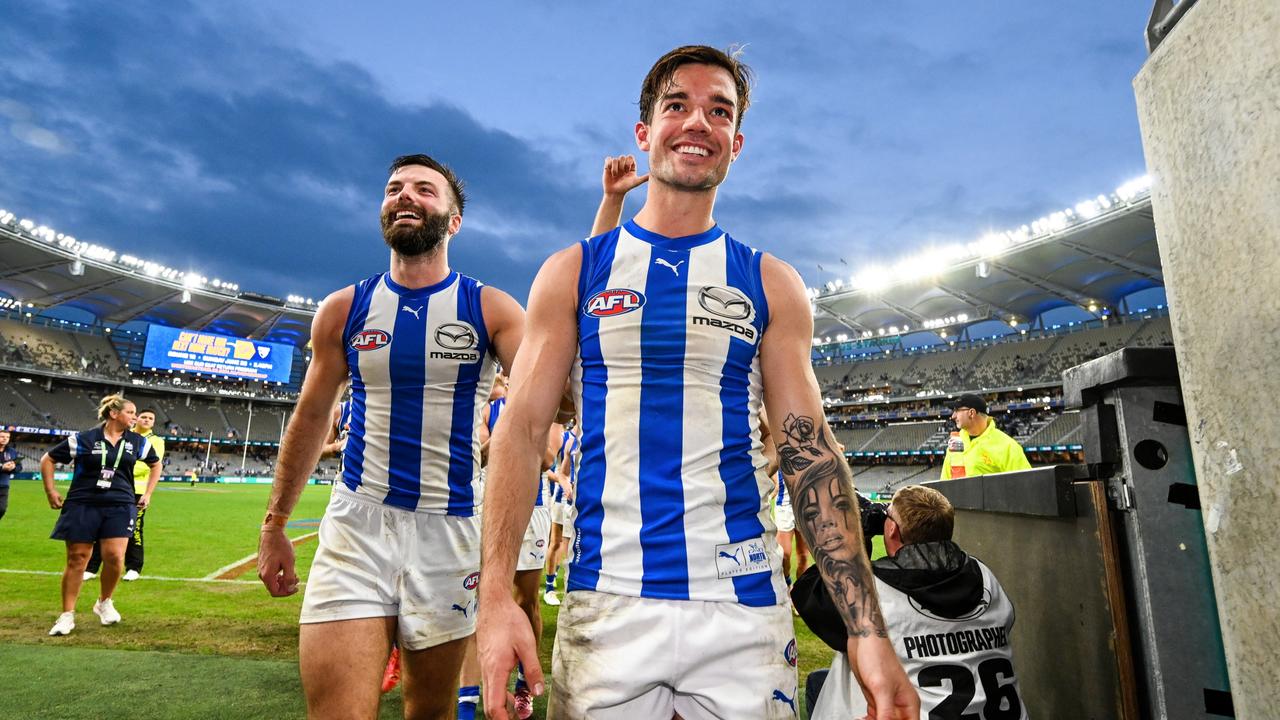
pixel 1209 106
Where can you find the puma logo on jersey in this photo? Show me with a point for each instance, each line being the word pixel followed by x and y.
pixel 741 558
pixel 733 557
pixel 415 311
pixel 674 268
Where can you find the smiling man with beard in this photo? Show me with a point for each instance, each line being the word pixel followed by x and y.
pixel 399 544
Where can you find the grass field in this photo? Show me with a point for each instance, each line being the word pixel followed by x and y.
pixel 189 646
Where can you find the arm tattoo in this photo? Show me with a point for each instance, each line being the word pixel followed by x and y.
pixel 828 518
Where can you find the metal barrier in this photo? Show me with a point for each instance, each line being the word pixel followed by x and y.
pixel 1106 562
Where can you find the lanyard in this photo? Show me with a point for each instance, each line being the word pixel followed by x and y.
pixel 119 454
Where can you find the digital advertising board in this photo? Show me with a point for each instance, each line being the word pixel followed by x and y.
pixel 213 354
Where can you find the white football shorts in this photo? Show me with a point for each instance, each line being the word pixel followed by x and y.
pixel 621 657
pixel 375 560
pixel 785 517
pixel 533 551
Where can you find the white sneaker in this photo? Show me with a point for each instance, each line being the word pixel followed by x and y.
pixel 131 575
pixel 89 575
pixel 106 611
pixel 66 623
pixel 551 598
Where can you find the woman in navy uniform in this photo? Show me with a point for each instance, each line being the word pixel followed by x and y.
pixel 100 504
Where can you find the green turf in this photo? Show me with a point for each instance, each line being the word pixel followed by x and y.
pixel 185 648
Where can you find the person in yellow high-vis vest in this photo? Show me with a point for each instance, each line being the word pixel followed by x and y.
pixel 133 555
pixel 983 448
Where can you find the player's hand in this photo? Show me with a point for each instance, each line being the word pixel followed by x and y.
pixel 275 562
pixel 619 177
pixel 55 500
pixel 504 637
pixel 8 466
pixel 145 501
pixel 889 694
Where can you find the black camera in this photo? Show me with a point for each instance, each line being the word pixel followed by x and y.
pixel 873 516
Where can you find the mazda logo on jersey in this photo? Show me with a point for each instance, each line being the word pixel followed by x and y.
pixel 458 340
pixel 455 336
pixel 731 309
pixel 614 301
pixel 726 302
pixel 366 340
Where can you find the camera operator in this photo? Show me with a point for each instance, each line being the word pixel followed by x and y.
pixel 946 612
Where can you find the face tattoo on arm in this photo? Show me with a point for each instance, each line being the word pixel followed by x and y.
pixel 827 514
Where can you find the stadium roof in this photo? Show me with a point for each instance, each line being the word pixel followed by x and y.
pixel 1091 257
pixel 55 273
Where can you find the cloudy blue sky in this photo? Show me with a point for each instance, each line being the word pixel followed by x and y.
pixel 249 141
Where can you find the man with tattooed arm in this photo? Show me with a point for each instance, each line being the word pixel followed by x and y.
pixel 675 604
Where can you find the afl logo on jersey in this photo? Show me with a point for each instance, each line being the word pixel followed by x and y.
pixel 471 581
pixel 366 340
pixel 614 301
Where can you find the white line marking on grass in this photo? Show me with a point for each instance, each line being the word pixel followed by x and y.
pixel 213 576
pixel 144 577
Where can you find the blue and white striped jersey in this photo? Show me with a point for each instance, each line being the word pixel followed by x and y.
pixel 783 498
pixel 495 411
pixel 421 370
pixel 673 497
pixel 571 448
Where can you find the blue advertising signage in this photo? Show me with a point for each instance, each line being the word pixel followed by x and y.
pixel 212 354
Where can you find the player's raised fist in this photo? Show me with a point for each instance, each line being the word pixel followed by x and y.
pixel 620 176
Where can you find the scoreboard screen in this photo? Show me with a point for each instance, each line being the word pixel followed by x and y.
pixel 212 354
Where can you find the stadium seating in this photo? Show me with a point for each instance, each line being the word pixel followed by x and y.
pixel 34 346
pixel 887 478
pixel 1061 430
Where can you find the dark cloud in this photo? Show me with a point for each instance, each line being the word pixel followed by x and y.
pixel 169 134
pixel 198 135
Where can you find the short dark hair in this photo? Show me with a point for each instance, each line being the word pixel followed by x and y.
pixel 455 184
pixel 660 76
pixel 147 410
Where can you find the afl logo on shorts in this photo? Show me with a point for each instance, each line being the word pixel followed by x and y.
pixel 471 581
pixel 366 340
pixel 455 336
pixel 614 301
pixel 791 654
